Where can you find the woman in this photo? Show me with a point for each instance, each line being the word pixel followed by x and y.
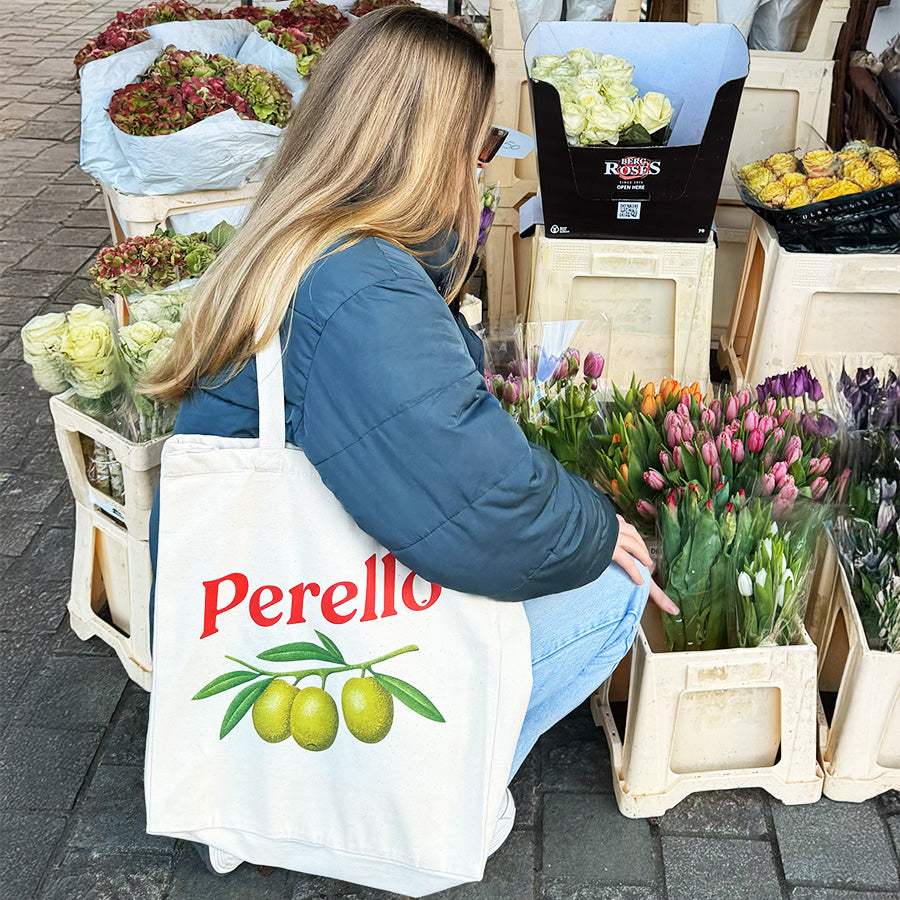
pixel 372 207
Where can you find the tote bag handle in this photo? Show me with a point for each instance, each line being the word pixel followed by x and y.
pixel 270 391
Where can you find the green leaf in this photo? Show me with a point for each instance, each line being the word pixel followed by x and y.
pixel 241 704
pixel 331 646
pixel 299 652
pixel 222 234
pixel 409 695
pixel 224 683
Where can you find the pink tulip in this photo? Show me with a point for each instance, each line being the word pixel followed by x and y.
pixel 771 405
pixel 676 458
pixel 684 409
pixel 768 487
pixel 715 472
pixel 743 398
pixel 708 418
pixel 593 365
pixel 708 453
pixel 818 487
pixel 777 435
pixel 751 420
pixel 780 473
pixel 665 461
pixel 647 510
pixel 794 450
pixel 654 479
pixel 766 424
pixel 673 437
pixel 731 409
pixel 687 431
pixel 737 450
pixel 671 419
pixel 819 465
pixel 785 416
pixel 756 440
pixel 784 500
pixel 511 392
pixel 724 440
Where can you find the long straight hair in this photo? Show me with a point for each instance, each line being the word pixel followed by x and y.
pixel 383 143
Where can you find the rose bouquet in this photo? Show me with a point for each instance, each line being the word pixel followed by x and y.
pixel 184 87
pixel 600 105
pixel 142 264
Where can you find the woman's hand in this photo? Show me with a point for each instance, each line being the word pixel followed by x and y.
pixel 629 547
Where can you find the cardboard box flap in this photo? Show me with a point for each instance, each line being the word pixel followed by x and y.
pixel 698 59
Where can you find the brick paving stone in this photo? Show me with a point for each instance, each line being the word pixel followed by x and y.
pixel 53 258
pixel 45 210
pixel 20 229
pixel 18 310
pixel 19 654
pixel 28 841
pixel 69 194
pixel 14 283
pixel 698 869
pixel 30 491
pixel 74 692
pixel 26 187
pixel 191 881
pixel 609 849
pixel 88 218
pixel 582 766
pixel 738 814
pixel 805 893
pixel 126 738
pixel 570 889
pixel 43 768
pixel 12 254
pixel 24 148
pixel 33 606
pixel 9 206
pixel 110 815
pixel 20 110
pixel 93 238
pixel 838 844
pixel 83 875
pixel 38 129
pixel 19 528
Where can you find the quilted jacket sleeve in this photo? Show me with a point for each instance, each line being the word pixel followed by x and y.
pixel 400 426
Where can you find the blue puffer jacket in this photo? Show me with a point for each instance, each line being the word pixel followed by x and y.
pixel 385 394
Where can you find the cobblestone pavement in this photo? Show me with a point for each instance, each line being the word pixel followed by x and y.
pixel 72 725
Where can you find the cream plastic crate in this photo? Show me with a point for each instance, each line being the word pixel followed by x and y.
pixel 732 225
pixel 111 569
pixel 139 464
pixel 656 296
pixel 507 268
pixel 133 216
pixel 712 720
pixel 817 34
pixel 506 32
pixel 860 749
pixel 517 177
pixel 805 308
pixel 781 99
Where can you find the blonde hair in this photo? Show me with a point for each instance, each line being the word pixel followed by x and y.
pixel 395 112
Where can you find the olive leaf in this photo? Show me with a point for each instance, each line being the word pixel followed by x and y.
pixel 224 683
pixel 241 704
pixel 409 695
pixel 332 646
pixel 302 651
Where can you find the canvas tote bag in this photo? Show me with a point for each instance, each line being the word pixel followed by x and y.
pixel 315 705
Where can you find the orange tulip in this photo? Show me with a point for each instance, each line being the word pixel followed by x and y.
pixel 647 389
pixel 648 407
pixel 614 487
pixel 617 438
pixel 623 471
pixel 667 387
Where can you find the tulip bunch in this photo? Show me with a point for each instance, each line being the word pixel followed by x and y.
pixel 655 441
pixel 490 200
pixel 552 407
pixel 184 87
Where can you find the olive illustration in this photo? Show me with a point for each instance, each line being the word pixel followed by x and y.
pixel 272 711
pixel 368 709
pixel 314 719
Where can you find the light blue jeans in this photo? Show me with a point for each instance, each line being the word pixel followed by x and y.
pixel 577 639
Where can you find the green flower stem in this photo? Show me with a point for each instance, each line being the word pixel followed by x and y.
pixel 324 672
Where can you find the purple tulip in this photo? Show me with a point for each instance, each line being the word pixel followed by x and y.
pixel 561 371
pixel 574 360
pixel 756 440
pixel 814 389
pixel 645 509
pixel 737 450
pixel 511 391
pixel 818 487
pixel 593 365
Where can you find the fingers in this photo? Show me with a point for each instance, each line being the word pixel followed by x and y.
pixel 627 562
pixel 630 540
pixel 658 596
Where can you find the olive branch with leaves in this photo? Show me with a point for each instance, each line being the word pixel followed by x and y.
pixel 328 652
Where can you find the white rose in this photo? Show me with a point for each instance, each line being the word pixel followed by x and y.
pixel 618 90
pixel 137 341
pixel 653 111
pixel 615 68
pixel 591 80
pixel 582 58
pixel 589 99
pixel 574 119
pixel 624 111
pixel 603 123
pixel 82 313
pixel 160 351
pixel 543 65
pixel 88 351
pixel 41 338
